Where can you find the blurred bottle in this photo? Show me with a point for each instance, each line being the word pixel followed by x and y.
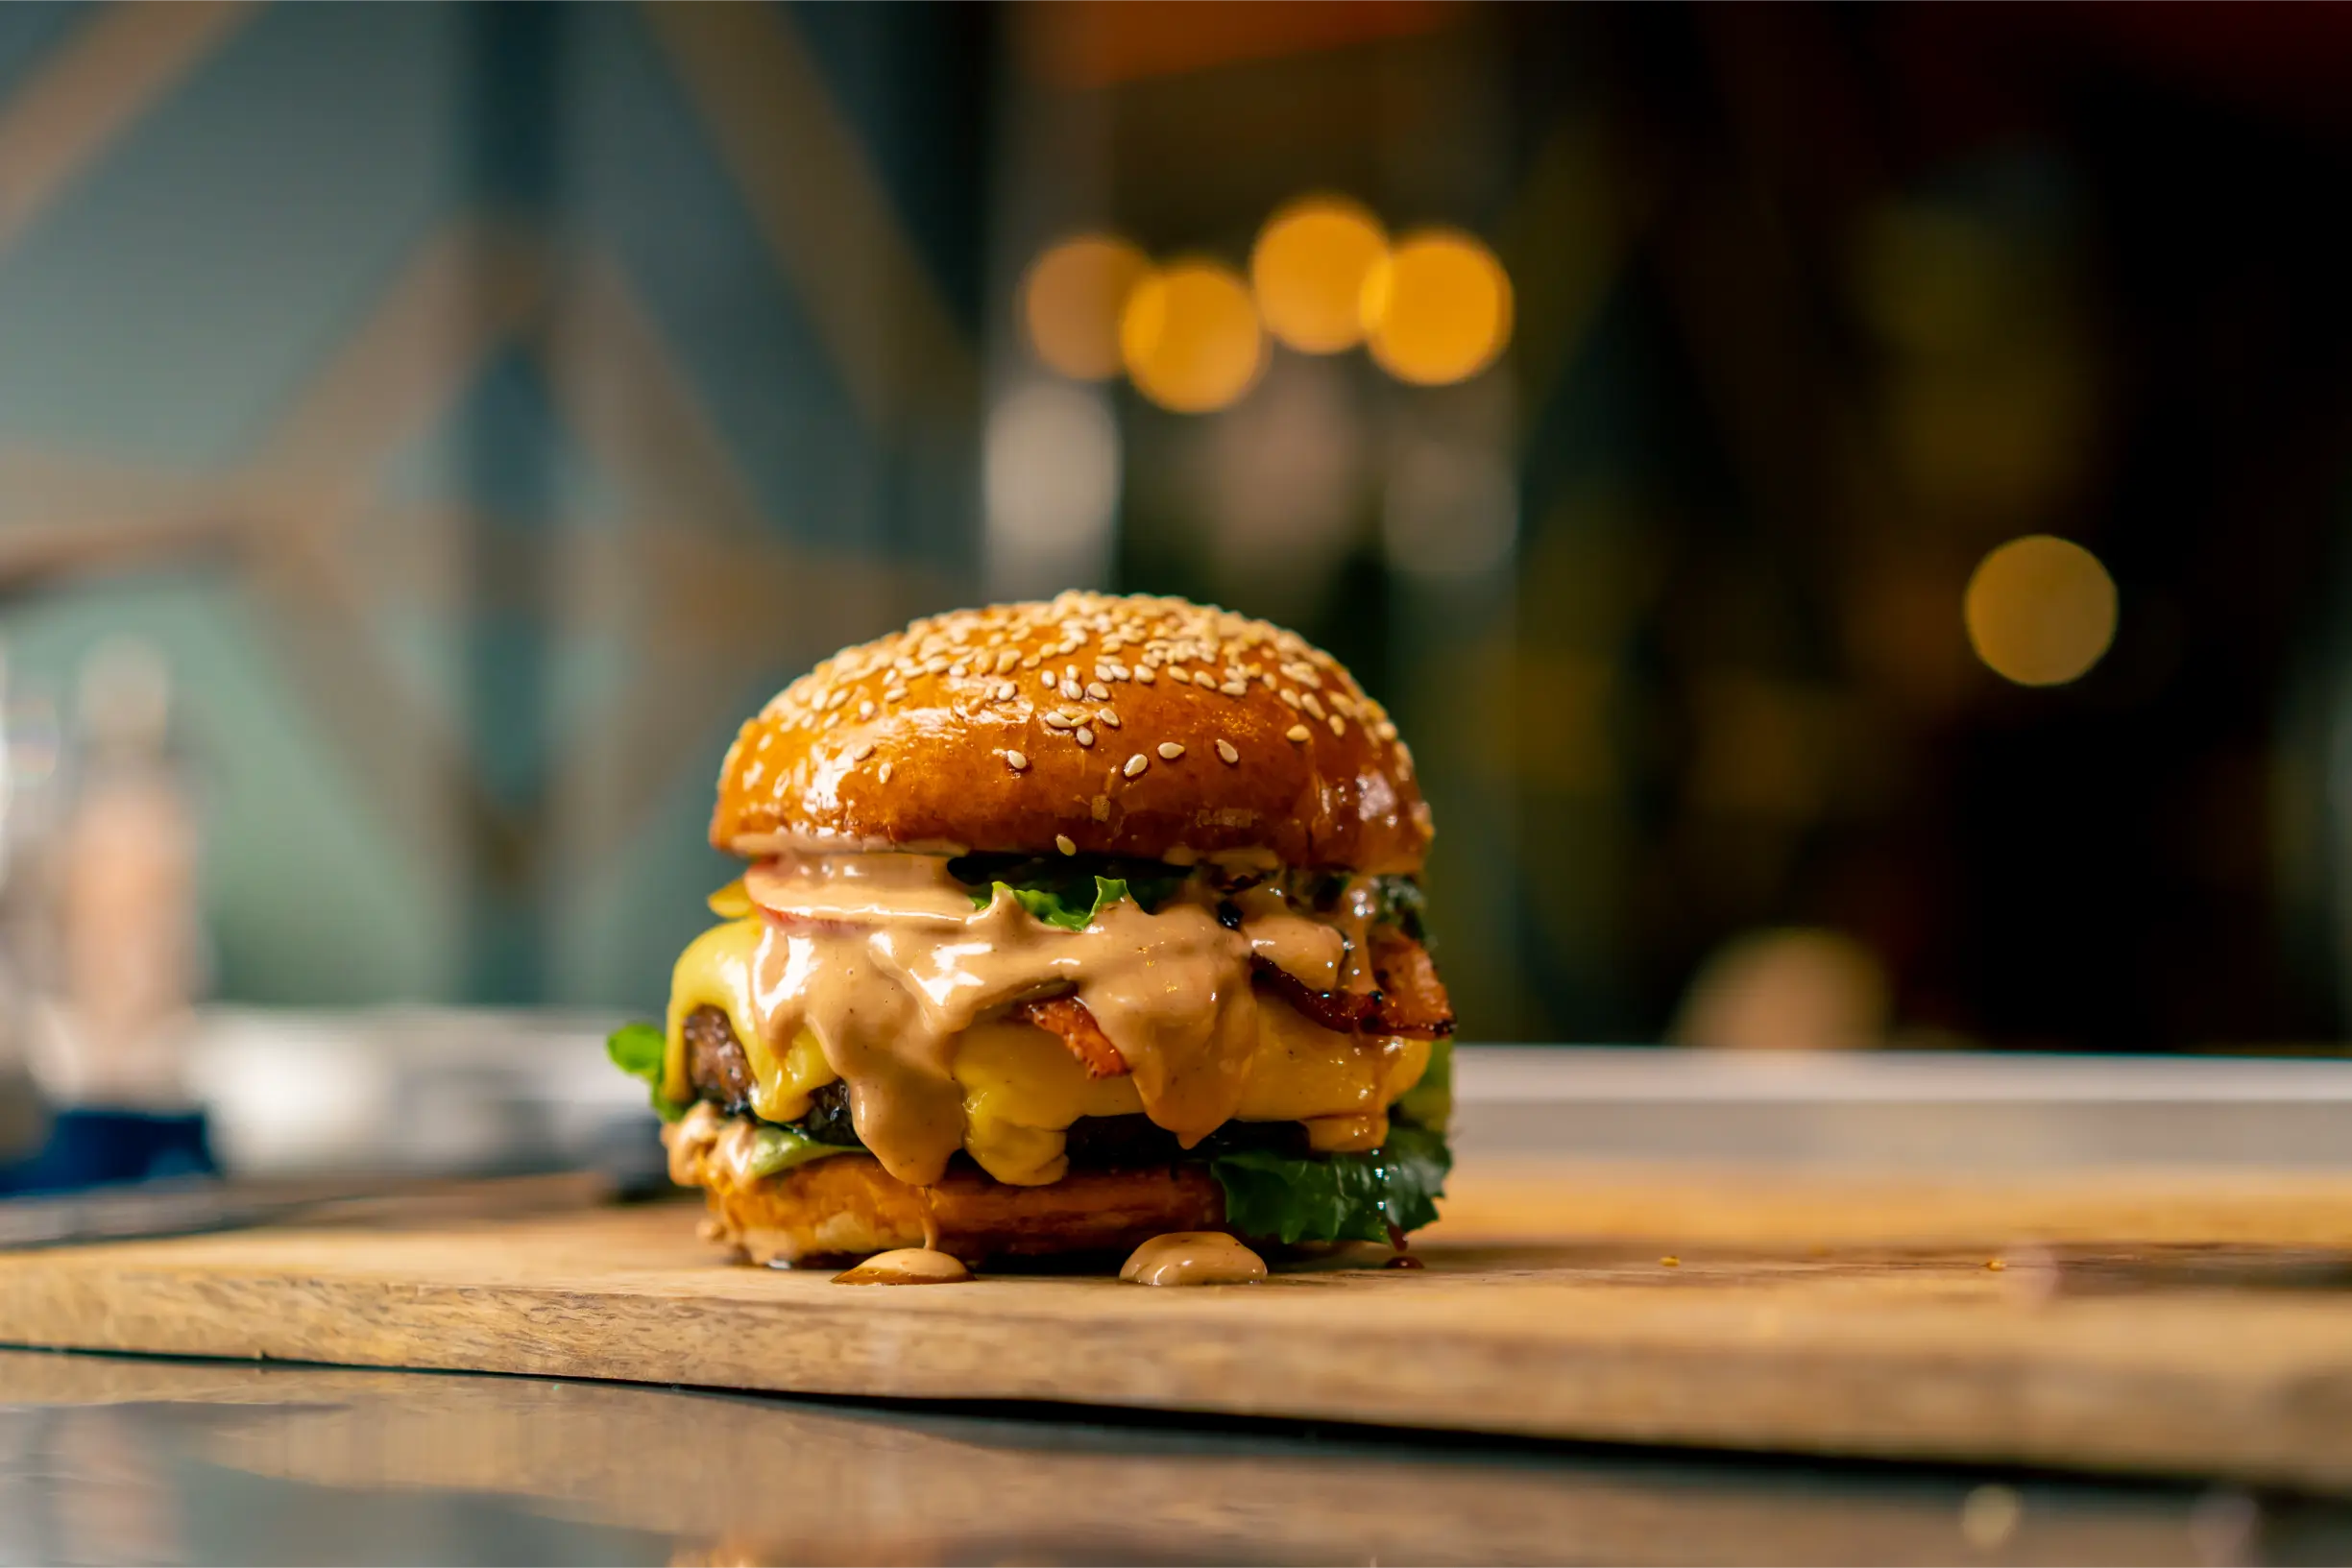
pixel 114 1026
pixel 28 754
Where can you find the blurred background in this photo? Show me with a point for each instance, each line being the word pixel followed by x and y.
pixel 1849 504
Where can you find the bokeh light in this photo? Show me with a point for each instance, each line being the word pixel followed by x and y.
pixel 2040 610
pixel 1437 308
pixel 1190 337
pixel 1308 268
pixel 1071 302
pixel 1050 468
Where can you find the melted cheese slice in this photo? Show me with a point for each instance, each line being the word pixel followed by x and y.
pixel 1021 1086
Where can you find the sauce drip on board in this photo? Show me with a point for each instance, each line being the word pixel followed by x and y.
pixel 1193 1257
pixel 907 1266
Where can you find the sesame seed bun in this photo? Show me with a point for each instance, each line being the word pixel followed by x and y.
pixel 1168 731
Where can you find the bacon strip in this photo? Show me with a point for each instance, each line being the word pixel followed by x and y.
pixel 1068 1016
pixel 1411 999
pixel 1343 1012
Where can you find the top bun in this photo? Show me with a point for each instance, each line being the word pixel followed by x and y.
pixel 1093 724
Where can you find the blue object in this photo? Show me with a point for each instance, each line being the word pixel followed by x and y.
pixel 89 1146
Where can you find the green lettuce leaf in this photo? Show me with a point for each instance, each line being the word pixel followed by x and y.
pixel 1399 902
pixel 1337 1198
pixel 775 1149
pixel 1054 907
pixel 1067 891
pixel 641 1051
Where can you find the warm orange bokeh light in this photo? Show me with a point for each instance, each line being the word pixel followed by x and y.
pixel 1072 299
pixel 1190 337
pixel 1437 308
pixel 2040 610
pixel 1308 269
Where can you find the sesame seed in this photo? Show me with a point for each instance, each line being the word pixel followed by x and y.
pixel 865 749
pixel 1146 675
pixel 865 709
pixel 1235 688
pixel 1028 662
pixel 1296 732
pixel 1005 690
pixel 1085 737
pixel 1064 843
pixel 1107 719
pixel 897 693
pixel 960 671
pixel 1307 701
pixel 1101 808
pixel 1169 751
pixel 1072 690
pixel 1289 696
pixel 1054 720
pixel 1007 658
pixel 1098 691
pixel 1180 674
pixel 1224 749
pixel 1015 760
pixel 1135 764
pixel 1050 680
pixel 1339 725
pixel 882 773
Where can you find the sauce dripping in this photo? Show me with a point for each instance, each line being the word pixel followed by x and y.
pixel 1193 1257
pixel 885 961
pixel 907 1266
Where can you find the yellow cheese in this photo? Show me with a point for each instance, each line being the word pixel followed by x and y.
pixel 1304 1071
pixel 716 971
pixel 731 901
pixel 1022 1087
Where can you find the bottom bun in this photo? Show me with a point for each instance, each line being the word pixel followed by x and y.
pixel 848 1206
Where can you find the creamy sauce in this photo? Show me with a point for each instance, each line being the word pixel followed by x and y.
pixel 1193 1257
pixel 689 1138
pixel 876 970
pixel 1314 951
pixel 907 1266
pixel 884 961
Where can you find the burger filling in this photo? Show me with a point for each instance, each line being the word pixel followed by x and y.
pixel 1034 1016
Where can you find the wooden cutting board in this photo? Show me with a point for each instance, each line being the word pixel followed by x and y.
pixel 2154 1322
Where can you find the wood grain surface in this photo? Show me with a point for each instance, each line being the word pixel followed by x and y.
pixel 2153 1322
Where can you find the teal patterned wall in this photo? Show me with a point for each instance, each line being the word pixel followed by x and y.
pixel 481 408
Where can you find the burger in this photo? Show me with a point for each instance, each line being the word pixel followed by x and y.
pixel 1065 924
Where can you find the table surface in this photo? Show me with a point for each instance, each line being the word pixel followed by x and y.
pixel 116 1459
pixel 2170 1323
